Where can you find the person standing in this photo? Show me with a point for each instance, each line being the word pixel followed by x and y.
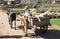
pixel 34 9
pixel 4 6
pixel 27 11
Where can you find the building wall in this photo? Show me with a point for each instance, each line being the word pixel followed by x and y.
pixel 32 1
pixel 28 1
pixel 9 0
pixel 17 1
pixel 1 1
pixel 25 2
pixel 57 1
pixel 51 1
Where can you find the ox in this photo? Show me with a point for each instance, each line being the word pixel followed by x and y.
pixel 12 17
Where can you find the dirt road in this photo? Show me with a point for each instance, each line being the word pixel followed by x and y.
pixel 7 33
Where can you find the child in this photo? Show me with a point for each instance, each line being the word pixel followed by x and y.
pixel 27 11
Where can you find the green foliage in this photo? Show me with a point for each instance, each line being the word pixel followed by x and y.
pixel 55 21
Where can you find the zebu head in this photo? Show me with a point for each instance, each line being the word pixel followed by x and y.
pixel 8 11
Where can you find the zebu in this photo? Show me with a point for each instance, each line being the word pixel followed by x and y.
pixel 12 17
pixel 43 20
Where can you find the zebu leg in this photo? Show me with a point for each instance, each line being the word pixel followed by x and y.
pixel 23 23
pixel 41 28
pixel 11 24
pixel 9 21
pixel 28 22
pixel 44 28
pixel 15 24
pixel 25 26
pixel 31 22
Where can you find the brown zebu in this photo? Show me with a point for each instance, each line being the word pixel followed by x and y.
pixel 42 20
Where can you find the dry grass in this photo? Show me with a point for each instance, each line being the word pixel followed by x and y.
pixel 54 27
pixel 3 11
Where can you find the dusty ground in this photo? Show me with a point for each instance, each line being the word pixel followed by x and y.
pixel 7 33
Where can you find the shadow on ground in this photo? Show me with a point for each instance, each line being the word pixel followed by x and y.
pixel 13 36
pixel 50 34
